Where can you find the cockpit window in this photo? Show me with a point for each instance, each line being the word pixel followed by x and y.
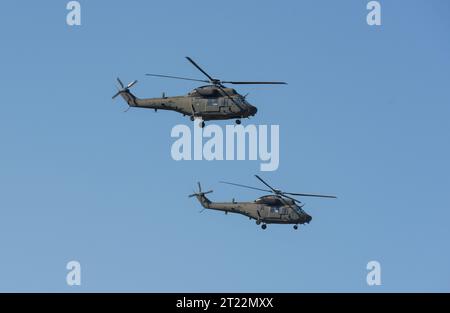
pixel 240 99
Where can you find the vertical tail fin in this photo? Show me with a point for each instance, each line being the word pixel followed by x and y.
pixel 200 195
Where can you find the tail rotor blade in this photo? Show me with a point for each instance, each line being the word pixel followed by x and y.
pixel 132 84
pixel 200 193
pixel 122 88
pixel 120 83
pixel 118 93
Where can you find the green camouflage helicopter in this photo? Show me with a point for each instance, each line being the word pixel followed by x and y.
pixel 277 208
pixel 210 102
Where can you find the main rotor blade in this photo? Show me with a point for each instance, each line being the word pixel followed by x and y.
pixel 254 83
pixel 199 187
pixel 308 195
pixel 273 190
pixel 239 185
pixel 293 199
pixel 177 77
pixel 200 69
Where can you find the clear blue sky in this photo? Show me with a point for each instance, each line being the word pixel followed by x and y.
pixel 365 116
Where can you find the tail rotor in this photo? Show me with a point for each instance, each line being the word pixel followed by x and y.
pixel 200 193
pixel 122 88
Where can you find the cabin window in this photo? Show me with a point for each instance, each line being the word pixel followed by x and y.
pixel 213 102
pixel 275 210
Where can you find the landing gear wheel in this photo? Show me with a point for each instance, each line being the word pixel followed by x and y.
pixel 192 118
pixel 295 227
pixel 258 222
pixel 238 122
pixel 202 124
pixel 263 226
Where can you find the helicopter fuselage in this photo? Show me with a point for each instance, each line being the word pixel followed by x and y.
pixel 267 210
pixel 206 103
pixel 276 208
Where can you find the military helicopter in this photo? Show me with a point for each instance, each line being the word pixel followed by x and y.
pixel 210 102
pixel 277 208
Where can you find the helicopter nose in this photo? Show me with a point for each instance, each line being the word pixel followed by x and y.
pixel 308 219
pixel 253 110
